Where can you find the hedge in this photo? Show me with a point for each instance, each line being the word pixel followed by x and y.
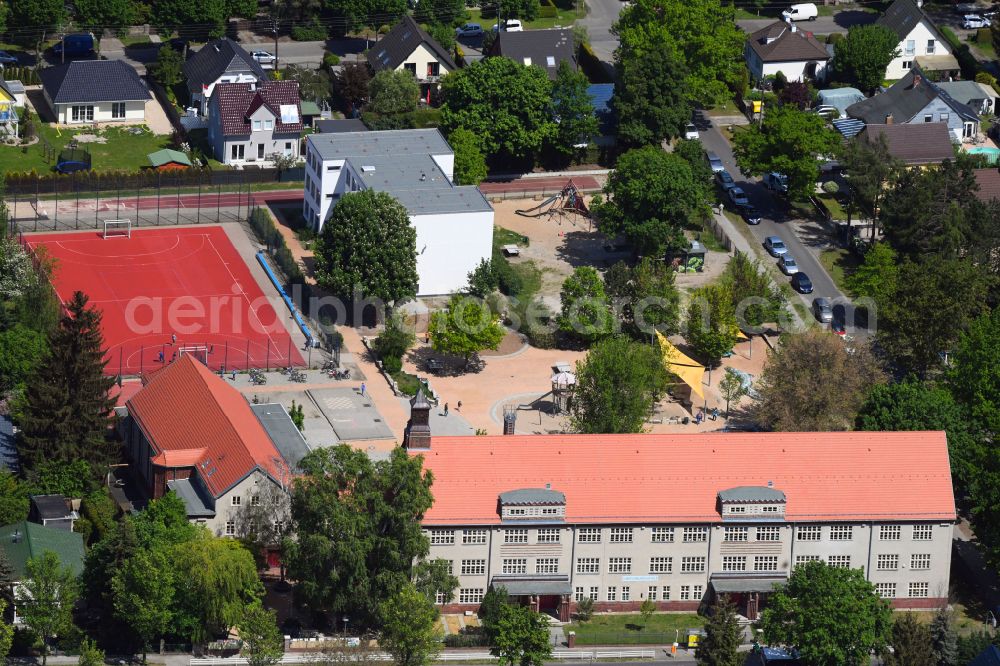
pixel 984 36
pixel 966 60
pixel 26 75
pixel 263 227
pixel 311 32
pixel 591 65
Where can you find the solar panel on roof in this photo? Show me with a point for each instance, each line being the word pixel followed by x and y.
pixel 289 114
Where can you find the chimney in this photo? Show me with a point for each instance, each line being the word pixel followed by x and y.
pixel 509 419
pixel 888 119
pixel 418 428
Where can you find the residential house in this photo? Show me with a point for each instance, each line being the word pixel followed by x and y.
pixel 542 48
pixel 250 122
pixel 26 540
pixel 54 511
pixel 782 47
pixel 989 184
pixel 408 47
pixel 919 39
pixel 95 91
pixel 190 432
pixel 917 144
pixel 980 97
pixel 219 61
pixel 556 519
pixel 11 97
pixel 454 224
pixel 915 99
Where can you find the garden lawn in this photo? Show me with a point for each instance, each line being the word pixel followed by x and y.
pixel 564 18
pixel 839 264
pixel 627 629
pixel 122 150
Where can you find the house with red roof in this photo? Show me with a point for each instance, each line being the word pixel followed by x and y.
pixel 190 432
pixel 249 123
pixel 679 518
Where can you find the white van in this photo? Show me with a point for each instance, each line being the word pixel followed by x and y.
pixel 804 12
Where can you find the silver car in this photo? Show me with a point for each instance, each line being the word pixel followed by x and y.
pixel 775 246
pixel 738 196
pixel 715 162
pixel 823 310
pixel 787 264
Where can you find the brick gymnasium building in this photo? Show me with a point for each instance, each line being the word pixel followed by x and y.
pixel 680 518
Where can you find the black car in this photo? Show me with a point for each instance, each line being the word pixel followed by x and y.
pixel 750 214
pixel 802 283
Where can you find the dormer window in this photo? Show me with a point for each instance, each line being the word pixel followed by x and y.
pixel 752 503
pixel 533 504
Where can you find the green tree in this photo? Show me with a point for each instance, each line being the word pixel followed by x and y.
pixel 644 296
pixel 585 609
pixel 14 502
pixel 652 195
pixel 297 414
pixel 21 351
pixel 755 298
pixel 368 246
pixel 39 16
pixel 811 383
pixel 944 641
pixel 351 83
pixel 646 610
pixel 863 55
pixel 168 68
pixel 503 103
pixel 712 329
pixel 693 153
pixel 143 592
pixel 314 84
pixel 68 411
pixel 354 550
pixel 470 163
pixel 586 312
pixel 484 279
pixel 242 8
pixel 651 99
pixel 465 328
pixel 723 635
pixel 199 18
pixel 522 637
pixel 876 277
pixel 489 609
pixel 832 616
pixel 434 577
pixel 911 643
pixel 96 15
pixel 700 34
pixel 6 632
pixel 263 644
pixel 17 273
pixel 788 141
pixel 872 171
pixel 394 341
pixel 731 387
pixel 572 111
pixel 90 654
pixel 46 597
pixel 410 627
pixel 617 385
pixel 440 12
pixel 393 91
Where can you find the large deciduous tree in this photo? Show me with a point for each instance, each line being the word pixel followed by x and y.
pixel 368 246
pixel 711 327
pixel 617 385
pixel 470 163
pixel 876 277
pixel 755 298
pixel 351 83
pixel 911 643
pixel 96 15
pixel 586 312
pixel 200 18
pixel 467 327
pixel 572 111
pixel 393 91
pixel 644 296
pixel 38 16
pixel 263 644
pixel 143 590
pixel 832 616
pixel 811 383
pixel 521 637
pixel 410 630
pixel 651 99
pixel 788 141
pixel 872 170
pixel 723 635
pixel 863 55
pixel 46 597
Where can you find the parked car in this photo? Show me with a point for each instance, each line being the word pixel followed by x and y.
pixel 469 30
pixel 775 246
pixel 786 263
pixel 714 162
pixel 974 22
pixel 827 111
pixel 263 57
pixel 724 180
pixel 7 59
pixel 823 310
pixel 801 283
pixel 776 182
pixel 690 131
pixel 738 196
pixel 805 11
pixel 75 46
pixel 749 214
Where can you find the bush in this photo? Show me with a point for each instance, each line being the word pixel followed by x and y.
pixel 984 36
pixel 465 640
pixel 830 187
pixel 986 77
pixel 834 37
pixel 314 31
pixel 392 364
pixel 330 60
pixel 548 11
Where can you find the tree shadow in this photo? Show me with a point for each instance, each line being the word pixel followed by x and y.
pixel 444 365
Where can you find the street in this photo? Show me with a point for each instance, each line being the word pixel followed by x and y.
pixel 600 17
pixel 822 25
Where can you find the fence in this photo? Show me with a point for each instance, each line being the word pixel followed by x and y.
pixel 320 658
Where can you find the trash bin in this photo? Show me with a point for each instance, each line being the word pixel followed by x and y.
pixel 571 640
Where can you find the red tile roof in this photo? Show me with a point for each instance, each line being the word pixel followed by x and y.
pixel 826 476
pixel 237 101
pixel 193 418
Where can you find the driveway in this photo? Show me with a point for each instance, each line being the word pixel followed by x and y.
pixel 601 15
pixel 156 118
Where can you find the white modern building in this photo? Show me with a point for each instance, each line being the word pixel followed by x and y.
pixel 454 223
pixel 920 42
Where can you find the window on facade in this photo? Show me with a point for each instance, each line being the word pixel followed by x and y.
pixel 907 64
pixel 268 124
pixel 442 537
pixel 809 533
pixel 736 534
pixel 765 563
pixel 692 564
pixel 236 500
pixel 255 500
pixel 621 535
pixel 802 559
pixel 968 130
pixel 651 593
pixel 433 69
pixel 578 594
pixel 230 528
pixel 919 590
pixel 256 126
pixel 889 532
pixel 886 590
pixel 943 117
pixel 515 565
pixel 589 535
pixel 411 67
pixel 841 532
pixel 548 535
pixel 769 509
pixel 661 564
pixel 595 592
pixel 82 114
pixel 333 167
pixel 695 534
pixel 515 536
pixel 931 44
pixel 698 591
pixel 439 598
pixel 737 509
pixel 260 151
pixel 923 532
pixel 588 565
pixel 911 47
pixel 839 561
pixel 685 592
pixel 547 565
pixel 734 563
pixel 920 561
pixel 288 148
pixel 887 562
pixel 612 594
pixel 768 534
pixel 470 537
pixel 662 535
pixel 626 593
pixel 517 512
pixel 470 595
pixel 473 567
pixel 929 118
pixel 118 110
pixel 665 593
pixel 620 565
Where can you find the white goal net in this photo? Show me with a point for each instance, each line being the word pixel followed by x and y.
pixel 117 229
pixel 200 352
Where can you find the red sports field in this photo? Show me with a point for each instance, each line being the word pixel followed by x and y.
pixel 169 291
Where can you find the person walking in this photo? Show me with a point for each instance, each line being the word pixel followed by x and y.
pixel 173 338
pixel 363 389
pixel 446 409
pixel 458 407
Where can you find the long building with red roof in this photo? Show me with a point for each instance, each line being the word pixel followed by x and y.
pixel 679 518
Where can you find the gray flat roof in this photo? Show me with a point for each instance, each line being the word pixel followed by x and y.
pixel 521 586
pixel 751 494
pixel 279 427
pixel 418 183
pixel 532 496
pixel 197 506
pixel 746 583
pixel 388 142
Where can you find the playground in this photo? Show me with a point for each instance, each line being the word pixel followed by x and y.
pixel 164 292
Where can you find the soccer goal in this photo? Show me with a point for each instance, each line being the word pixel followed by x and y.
pixel 117 228
pixel 200 352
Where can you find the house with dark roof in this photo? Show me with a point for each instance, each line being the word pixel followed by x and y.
pixel 408 47
pixel 55 511
pixel 219 61
pixel 981 97
pixel 920 42
pixel 782 47
pixel 988 180
pixel 541 48
pixel 915 99
pixel 915 144
pixel 248 123
pixel 95 91
pixel 190 432
pixel 25 540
